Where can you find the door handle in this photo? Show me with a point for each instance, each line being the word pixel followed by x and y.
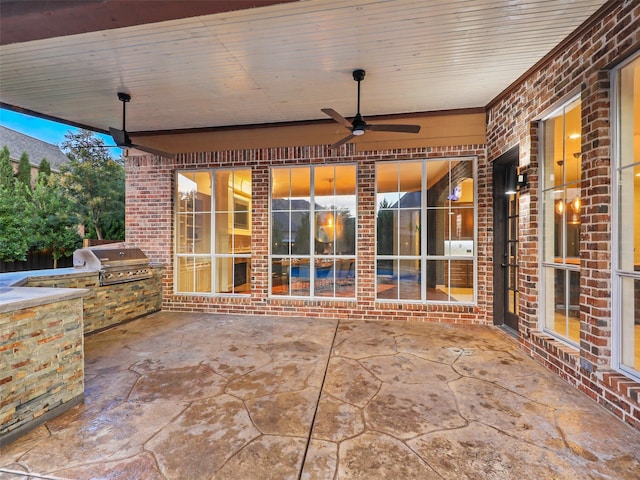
pixel 504 265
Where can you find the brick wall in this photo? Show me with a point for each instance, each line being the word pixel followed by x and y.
pixel 150 226
pixel 581 66
pixel 41 363
pixel 106 306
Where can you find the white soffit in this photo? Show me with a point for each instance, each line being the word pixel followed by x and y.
pixel 285 62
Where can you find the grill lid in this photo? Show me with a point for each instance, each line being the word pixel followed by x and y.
pixel 115 262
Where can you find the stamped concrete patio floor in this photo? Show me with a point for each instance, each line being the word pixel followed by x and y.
pixel 196 396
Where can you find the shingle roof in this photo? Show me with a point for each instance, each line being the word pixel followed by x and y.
pixel 17 143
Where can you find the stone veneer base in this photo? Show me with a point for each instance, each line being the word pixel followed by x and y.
pixel 9 437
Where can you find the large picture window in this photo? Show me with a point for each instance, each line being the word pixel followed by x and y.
pixel 626 264
pixel 313 231
pixel 425 231
pixel 213 232
pixel 562 164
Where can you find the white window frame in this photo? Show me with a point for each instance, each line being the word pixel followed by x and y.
pixel 424 257
pixel 213 256
pixel 312 255
pixel 545 265
pixel 617 274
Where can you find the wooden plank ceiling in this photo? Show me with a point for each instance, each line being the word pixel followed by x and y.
pixel 279 62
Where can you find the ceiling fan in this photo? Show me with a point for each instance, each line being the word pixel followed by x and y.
pixel 358 126
pixel 122 138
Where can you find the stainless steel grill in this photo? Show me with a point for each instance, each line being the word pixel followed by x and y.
pixel 116 263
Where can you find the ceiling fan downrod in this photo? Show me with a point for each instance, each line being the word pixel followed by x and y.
pixel 359 124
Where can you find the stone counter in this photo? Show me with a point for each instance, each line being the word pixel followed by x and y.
pixel 41 356
pixel 104 306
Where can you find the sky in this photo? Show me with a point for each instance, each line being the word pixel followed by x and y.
pixel 45 130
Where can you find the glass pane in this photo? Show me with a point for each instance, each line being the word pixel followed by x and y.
pixel 184 233
pixel 437 231
pixel 630 334
pixel 281 238
pixel 241 243
pixel 201 233
pixel 186 190
pixel 300 277
pixel 280 269
pixel 461 280
pixel 438 281
pixel 242 183
pixel 553 202
pixel 325 231
pixel 573 317
pixel 345 277
pixel 224 275
pixel 300 188
pixel 280 188
pixel 324 186
pixel 301 231
pixel 629 193
pixel 233 275
pixel 410 280
pixel 387 185
pixel 194 191
pixel 573 143
pixel 512 305
pixel 186 269
pixel 563 312
pixel 440 191
pixel 460 223
pixel 223 233
pixel 559 223
pixel 241 214
pixel 629 116
pixel 553 153
pixel 410 176
pixel 345 232
pixel 410 184
pixel 560 307
pixel 325 277
pixel 387 232
pixel 387 279
pixel 224 190
pixel 409 226
pixel 202 275
pixel 345 188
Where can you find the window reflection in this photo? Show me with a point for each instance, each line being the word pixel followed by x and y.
pixel 313 231
pixel 408 234
pixel 213 231
pixel 628 217
pixel 561 144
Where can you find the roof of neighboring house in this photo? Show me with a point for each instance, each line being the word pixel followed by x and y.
pixel 17 143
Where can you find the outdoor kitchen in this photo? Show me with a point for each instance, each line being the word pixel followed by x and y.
pixel 50 311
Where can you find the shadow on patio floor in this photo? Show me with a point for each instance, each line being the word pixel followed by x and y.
pixel 197 396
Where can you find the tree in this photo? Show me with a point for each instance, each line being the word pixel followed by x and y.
pixel 14 227
pixel 95 181
pixel 24 170
pixel 53 221
pixel 44 168
pixel 7 180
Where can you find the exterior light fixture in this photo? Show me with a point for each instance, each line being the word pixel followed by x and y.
pixel 514 180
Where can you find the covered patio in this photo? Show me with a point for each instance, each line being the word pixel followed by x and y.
pixel 202 396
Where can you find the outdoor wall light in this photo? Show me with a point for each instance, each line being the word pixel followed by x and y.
pixel 514 180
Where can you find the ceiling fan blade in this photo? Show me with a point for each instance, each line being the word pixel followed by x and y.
pixel 393 128
pixel 343 141
pixel 153 151
pixel 120 137
pixel 337 117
